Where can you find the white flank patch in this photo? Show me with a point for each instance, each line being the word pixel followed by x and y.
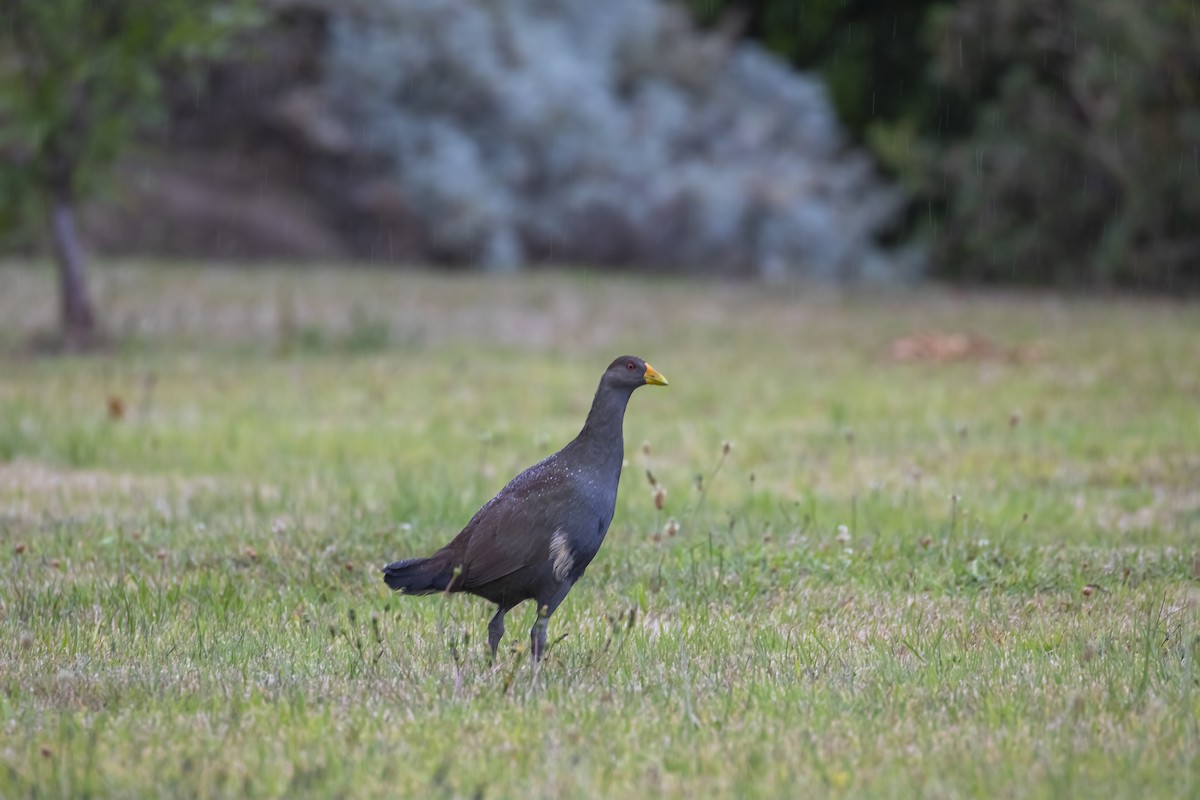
pixel 560 554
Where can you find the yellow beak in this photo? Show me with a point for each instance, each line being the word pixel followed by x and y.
pixel 654 377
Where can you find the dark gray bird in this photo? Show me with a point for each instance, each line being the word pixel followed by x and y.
pixel 535 538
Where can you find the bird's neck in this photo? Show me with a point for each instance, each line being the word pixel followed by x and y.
pixel 602 435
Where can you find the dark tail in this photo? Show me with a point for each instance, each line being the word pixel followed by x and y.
pixel 419 575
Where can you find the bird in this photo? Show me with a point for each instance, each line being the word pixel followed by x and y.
pixel 535 538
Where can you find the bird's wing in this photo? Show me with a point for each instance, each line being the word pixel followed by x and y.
pixel 507 535
pixel 514 529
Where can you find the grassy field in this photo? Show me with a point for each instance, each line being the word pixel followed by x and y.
pixel 930 565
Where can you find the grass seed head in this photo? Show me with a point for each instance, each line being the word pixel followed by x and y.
pixel 660 497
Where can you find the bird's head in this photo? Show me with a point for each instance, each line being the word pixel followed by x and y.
pixel 630 372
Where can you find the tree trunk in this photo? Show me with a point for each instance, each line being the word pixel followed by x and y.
pixel 75 305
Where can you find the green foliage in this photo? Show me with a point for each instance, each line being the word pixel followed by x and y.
pixel 1079 166
pixel 79 77
pixel 870 52
pixel 1044 141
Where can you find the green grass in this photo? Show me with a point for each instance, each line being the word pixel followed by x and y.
pixel 190 602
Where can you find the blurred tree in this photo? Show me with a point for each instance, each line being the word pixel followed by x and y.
pixel 77 79
pixel 870 52
pixel 1044 141
pixel 1079 165
pixel 875 60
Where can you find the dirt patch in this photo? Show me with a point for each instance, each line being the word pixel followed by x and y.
pixel 940 347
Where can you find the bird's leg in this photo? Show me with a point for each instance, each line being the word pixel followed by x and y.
pixel 546 606
pixel 496 630
pixel 537 635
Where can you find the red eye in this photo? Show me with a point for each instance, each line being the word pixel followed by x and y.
pixel 630 366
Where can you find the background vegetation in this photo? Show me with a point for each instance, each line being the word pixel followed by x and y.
pixel 951 551
pixel 1045 141
pixel 78 80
